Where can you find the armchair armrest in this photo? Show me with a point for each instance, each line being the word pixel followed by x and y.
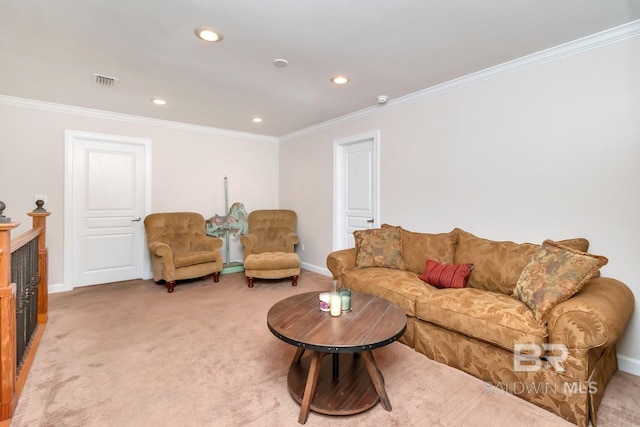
pixel 340 261
pixel 249 241
pixel 594 317
pixel 162 261
pixel 161 250
pixel 289 240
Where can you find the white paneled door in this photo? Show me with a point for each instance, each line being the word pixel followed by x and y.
pixel 108 184
pixel 356 187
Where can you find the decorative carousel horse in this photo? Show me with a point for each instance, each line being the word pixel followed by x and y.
pixel 236 220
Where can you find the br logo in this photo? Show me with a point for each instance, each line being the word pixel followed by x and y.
pixel 530 357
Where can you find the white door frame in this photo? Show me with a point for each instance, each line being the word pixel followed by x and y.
pixel 339 180
pixel 70 141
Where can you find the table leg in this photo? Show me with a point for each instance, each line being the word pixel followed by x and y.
pixel 376 378
pixel 298 355
pixel 310 387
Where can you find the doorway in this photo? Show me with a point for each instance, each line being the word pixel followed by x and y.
pixel 107 196
pixel 356 161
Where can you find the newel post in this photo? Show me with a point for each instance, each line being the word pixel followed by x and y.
pixel 7 320
pixel 39 217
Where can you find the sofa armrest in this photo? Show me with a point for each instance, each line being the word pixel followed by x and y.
pixel 340 261
pixel 594 317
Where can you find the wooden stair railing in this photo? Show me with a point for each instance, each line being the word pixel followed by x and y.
pixel 11 381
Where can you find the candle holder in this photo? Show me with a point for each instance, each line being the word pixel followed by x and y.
pixel 345 299
pixel 325 301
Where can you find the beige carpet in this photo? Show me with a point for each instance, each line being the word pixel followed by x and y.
pixel 130 354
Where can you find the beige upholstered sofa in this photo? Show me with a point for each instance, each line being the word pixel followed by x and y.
pixel 562 364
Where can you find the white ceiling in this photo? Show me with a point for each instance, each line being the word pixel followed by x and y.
pixel 49 50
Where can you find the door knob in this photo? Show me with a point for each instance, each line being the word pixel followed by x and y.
pixel 370 221
pixel 136 220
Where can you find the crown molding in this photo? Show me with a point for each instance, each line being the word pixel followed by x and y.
pixel 594 41
pixel 129 118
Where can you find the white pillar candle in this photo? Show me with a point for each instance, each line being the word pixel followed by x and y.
pixel 336 304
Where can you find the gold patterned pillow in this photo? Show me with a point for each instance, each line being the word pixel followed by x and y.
pixel 379 247
pixel 554 275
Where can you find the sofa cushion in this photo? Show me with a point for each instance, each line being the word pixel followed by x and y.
pixel 379 247
pixel 398 286
pixel 497 265
pixel 417 248
pixel 554 274
pixel 488 316
pixel 446 275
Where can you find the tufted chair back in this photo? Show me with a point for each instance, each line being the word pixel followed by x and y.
pixel 180 230
pixel 270 230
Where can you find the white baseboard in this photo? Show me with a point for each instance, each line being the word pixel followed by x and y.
pixel 315 269
pixel 59 287
pixel 629 365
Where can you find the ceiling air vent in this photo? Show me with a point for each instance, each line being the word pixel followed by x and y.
pixel 103 80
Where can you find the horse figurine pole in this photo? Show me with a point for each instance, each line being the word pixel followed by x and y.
pixel 236 220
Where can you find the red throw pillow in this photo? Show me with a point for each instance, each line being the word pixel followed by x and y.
pixel 446 276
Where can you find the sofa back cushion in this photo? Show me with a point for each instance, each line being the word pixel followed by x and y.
pixel 497 265
pixel 417 248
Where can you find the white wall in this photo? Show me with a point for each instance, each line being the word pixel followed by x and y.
pixel 551 151
pixel 188 167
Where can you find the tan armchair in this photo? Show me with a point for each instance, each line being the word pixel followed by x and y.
pixel 180 248
pixel 269 246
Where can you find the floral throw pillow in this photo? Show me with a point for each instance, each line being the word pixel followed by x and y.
pixel 554 275
pixel 446 275
pixel 379 247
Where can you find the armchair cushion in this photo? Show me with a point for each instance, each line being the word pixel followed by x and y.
pixel 193 258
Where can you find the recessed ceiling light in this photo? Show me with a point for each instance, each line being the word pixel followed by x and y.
pixel 280 62
pixel 340 80
pixel 208 34
pixel 158 101
pixel 257 119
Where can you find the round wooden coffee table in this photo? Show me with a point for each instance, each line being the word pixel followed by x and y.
pixel 349 382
